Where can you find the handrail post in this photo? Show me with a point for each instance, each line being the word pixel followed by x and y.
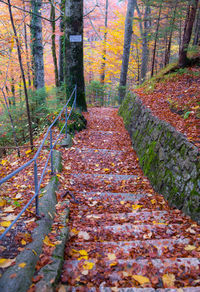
pixel 75 95
pixel 66 122
pixel 36 187
pixel 51 149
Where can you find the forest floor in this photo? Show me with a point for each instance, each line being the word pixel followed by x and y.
pixel 175 98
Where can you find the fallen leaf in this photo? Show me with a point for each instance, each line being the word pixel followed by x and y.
pixel 85 272
pixel 84 235
pixel 83 254
pixel 22 265
pixel 88 265
pixel 5 223
pixel 12 276
pixel 135 207
pixel 47 241
pixel 153 201
pixel 141 279
pixel 168 280
pixel 111 256
pixel 189 247
pixel 23 242
pixel 2 202
pixel 62 288
pixel 5 263
pixel 9 209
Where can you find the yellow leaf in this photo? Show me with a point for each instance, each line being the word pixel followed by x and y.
pixel 88 265
pixel 35 253
pixel 96 165
pixel 5 223
pixel 28 151
pixel 113 264
pixel 141 279
pixel 153 201
pixel 22 265
pixel 135 207
pixel 161 223
pixel 111 256
pixel 23 242
pixel 189 247
pixel 47 241
pixel 74 231
pixel 2 202
pixel 112 164
pixel 83 252
pixel 106 169
pixel 3 162
pixel 168 280
pixel 122 202
pixel 5 263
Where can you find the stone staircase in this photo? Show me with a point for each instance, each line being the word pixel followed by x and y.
pixel 123 235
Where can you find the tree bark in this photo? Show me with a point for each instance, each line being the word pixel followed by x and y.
pixel 74 73
pixel 192 8
pixel 126 49
pixel 196 41
pixel 62 44
pixel 145 48
pixel 37 47
pixel 53 42
pixel 155 41
pixel 168 51
pixel 103 65
pixel 22 74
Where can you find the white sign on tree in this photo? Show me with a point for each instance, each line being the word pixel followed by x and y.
pixel 75 38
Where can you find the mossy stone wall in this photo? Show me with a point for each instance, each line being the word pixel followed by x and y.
pixel 167 158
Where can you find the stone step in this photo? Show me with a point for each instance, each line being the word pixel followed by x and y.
pixel 103 182
pixel 119 273
pixel 136 217
pixel 127 231
pixel 92 160
pixel 181 247
pixel 128 289
pixel 105 140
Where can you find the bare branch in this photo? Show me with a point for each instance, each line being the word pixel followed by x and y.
pixel 24 10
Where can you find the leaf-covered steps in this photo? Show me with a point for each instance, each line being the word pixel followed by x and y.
pixel 124 236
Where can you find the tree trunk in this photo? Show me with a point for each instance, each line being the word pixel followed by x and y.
pixel 145 48
pixel 62 44
pixel 74 73
pixel 168 51
pixel 103 65
pixel 126 49
pixel 53 42
pixel 26 49
pixel 22 74
pixel 196 41
pixel 37 47
pixel 155 41
pixel 192 8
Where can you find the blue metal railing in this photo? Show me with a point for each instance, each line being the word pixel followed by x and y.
pixel 34 160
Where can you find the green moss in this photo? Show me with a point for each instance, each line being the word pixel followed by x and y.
pixel 149 159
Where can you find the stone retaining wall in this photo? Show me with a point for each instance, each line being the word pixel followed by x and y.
pixel 167 158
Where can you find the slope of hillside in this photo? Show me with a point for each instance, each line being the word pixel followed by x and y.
pixel 175 98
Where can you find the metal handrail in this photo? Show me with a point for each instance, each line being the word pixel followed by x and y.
pixel 34 159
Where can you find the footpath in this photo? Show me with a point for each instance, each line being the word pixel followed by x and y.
pixel 123 235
